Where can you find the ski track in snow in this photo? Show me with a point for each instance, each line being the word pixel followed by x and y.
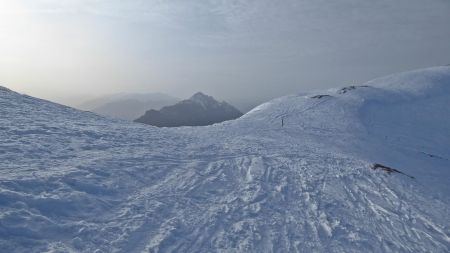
pixel 73 181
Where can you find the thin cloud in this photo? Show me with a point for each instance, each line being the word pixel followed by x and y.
pixel 222 46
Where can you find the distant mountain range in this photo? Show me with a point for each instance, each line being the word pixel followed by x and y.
pixel 128 106
pixel 199 110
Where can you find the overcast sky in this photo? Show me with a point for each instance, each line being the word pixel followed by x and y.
pixel 231 49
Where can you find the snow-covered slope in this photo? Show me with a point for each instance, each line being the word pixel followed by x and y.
pixel 75 182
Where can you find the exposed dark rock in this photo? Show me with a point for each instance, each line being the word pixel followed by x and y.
pixel 320 96
pixel 389 170
pixel 349 88
pixel 435 156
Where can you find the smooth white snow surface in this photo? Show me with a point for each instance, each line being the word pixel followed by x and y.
pixel 72 181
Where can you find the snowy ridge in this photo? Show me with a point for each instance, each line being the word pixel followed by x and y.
pixel 76 182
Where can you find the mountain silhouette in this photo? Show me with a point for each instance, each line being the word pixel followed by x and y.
pixel 199 110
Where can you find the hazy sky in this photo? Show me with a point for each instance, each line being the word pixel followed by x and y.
pixel 231 49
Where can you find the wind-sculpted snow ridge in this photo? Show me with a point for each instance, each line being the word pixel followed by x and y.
pixel 362 169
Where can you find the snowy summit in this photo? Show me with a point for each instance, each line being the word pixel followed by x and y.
pixel 363 168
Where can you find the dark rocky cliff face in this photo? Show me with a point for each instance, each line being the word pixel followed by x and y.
pixel 199 110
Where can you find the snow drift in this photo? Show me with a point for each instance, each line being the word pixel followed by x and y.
pixel 73 181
